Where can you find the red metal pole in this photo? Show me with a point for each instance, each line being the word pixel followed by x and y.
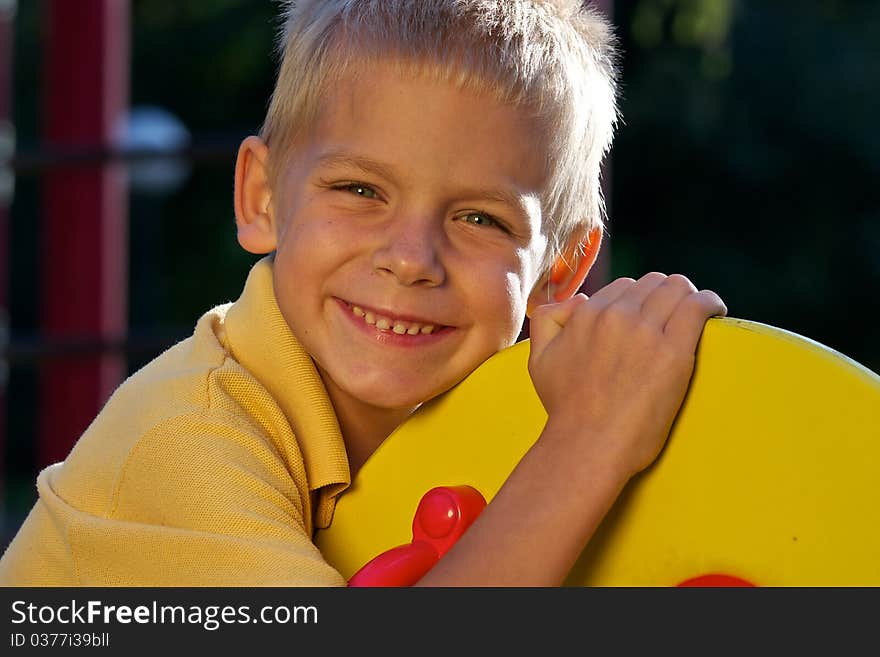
pixel 7 181
pixel 84 239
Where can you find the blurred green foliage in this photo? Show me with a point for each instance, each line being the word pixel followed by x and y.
pixel 748 159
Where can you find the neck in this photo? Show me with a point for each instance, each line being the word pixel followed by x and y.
pixel 364 427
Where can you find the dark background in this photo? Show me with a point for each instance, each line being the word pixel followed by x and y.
pixel 746 160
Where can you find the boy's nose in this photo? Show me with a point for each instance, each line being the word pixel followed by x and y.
pixel 409 252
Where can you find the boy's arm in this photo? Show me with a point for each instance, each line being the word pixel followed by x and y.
pixel 612 372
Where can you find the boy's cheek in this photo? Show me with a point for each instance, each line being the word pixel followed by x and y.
pixel 518 290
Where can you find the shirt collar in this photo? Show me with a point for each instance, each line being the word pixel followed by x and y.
pixel 263 343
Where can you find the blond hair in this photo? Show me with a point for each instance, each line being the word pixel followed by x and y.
pixel 554 58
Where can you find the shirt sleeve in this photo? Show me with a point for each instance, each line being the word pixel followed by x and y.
pixel 202 502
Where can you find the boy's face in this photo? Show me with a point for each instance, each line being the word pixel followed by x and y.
pixel 408 236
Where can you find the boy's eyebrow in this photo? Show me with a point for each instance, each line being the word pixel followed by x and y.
pixel 369 165
pixel 365 164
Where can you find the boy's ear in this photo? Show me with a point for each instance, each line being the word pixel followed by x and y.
pixel 568 271
pixel 253 197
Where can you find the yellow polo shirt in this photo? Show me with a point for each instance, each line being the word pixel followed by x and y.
pixel 211 466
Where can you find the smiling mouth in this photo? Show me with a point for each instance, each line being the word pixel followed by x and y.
pixel 398 326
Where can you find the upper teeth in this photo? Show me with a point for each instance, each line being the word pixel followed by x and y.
pixel 399 327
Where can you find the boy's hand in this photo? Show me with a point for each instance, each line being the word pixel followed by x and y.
pixel 612 370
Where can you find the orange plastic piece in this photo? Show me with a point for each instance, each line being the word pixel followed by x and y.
pixel 442 516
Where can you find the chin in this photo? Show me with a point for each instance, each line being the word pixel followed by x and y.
pixel 404 400
pixel 402 396
pixel 391 388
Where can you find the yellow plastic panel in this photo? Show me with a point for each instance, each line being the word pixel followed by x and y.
pixel 771 472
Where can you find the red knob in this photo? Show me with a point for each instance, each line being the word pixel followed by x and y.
pixel 443 515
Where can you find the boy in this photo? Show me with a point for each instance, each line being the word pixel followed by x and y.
pixel 428 175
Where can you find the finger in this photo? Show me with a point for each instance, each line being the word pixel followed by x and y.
pixel 643 288
pixel 548 319
pixel 688 318
pixel 591 308
pixel 659 305
pixel 612 292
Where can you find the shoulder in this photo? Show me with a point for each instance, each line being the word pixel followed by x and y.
pixel 213 460
pixel 201 499
pixel 192 412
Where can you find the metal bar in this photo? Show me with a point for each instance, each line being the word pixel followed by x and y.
pixel 27 351
pixel 51 157
pixel 84 248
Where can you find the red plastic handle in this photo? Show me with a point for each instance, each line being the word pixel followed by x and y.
pixel 403 565
pixel 442 516
pixel 715 580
